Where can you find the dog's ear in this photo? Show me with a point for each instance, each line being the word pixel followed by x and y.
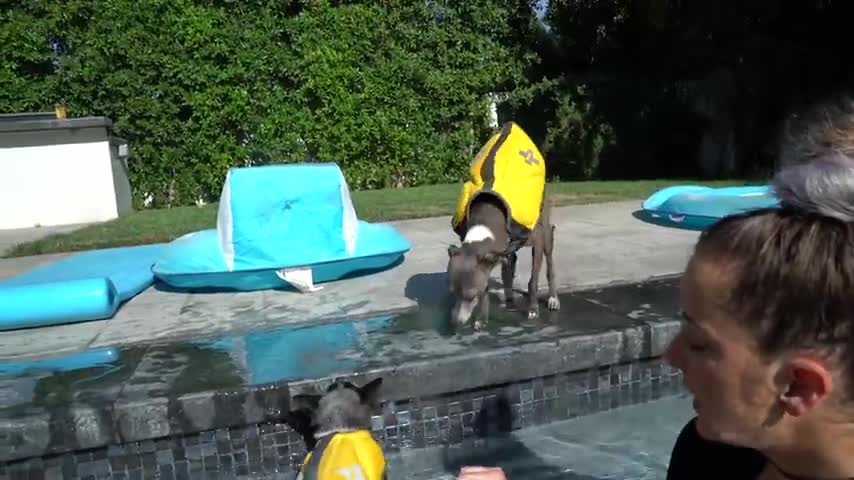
pixel 305 402
pixel 299 420
pixel 369 393
pixel 453 250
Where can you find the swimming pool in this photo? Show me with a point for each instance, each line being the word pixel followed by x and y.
pixel 628 443
pixel 186 407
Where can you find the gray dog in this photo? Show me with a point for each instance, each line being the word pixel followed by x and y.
pixel 336 428
pixel 485 242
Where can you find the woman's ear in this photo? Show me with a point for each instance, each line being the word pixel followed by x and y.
pixel 809 381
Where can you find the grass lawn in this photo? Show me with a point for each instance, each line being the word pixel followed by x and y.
pixel 154 226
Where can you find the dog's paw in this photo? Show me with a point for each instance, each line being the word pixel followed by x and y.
pixel 533 313
pixel 553 303
pixel 478 325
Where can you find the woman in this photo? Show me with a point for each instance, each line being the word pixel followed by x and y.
pixel 766 347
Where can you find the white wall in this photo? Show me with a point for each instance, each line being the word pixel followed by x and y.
pixel 57 184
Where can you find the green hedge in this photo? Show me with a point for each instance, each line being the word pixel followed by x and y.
pixel 394 92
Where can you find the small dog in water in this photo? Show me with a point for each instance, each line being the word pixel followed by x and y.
pixel 336 428
pixel 484 244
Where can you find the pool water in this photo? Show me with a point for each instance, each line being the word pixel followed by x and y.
pixel 629 443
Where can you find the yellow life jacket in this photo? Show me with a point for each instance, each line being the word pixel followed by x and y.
pixel 345 456
pixel 511 167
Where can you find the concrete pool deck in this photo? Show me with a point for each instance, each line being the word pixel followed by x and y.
pixel 201 381
pixel 596 244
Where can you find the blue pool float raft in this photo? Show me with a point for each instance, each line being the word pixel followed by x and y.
pixel 84 286
pixel 277 226
pixel 696 207
pixel 280 226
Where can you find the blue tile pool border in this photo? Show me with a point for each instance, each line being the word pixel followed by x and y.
pixel 270 447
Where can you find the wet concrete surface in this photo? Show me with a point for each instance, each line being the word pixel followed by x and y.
pixel 291 354
pixel 595 245
pixel 147 390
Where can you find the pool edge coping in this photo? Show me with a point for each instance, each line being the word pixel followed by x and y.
pixel 84 426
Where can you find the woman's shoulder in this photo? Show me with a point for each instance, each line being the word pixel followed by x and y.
pixel 696 458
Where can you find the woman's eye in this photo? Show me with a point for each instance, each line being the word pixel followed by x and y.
pixel 693 345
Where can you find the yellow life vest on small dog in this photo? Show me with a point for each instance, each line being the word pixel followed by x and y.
pixel 346 456
pixel 511 167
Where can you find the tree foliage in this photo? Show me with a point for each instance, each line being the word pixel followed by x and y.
pixel 655 80
pixel 398 93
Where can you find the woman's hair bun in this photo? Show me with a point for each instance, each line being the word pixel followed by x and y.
pixel 817 172
pixel 822 185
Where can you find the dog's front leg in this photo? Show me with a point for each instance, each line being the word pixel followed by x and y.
pixel 533 284
pixel 483 316
pixel 548 250
pixel 508 273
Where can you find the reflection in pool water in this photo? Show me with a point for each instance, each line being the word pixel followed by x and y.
pixel 628 443
pixel 298 353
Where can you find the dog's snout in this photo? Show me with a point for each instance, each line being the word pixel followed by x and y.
pixel 463 310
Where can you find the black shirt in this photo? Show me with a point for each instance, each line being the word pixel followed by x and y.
pixel 695 458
